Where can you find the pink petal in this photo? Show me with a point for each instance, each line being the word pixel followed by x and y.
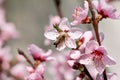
pixel 50 58
pixel 19 70
pixel 70 43
pixel 99 65
pixel 52 35
pixel 107 60
pixel 40 69
pixel 34 76
pixel 75 33
pixel 86 59
pixel 71 62
pixel 35 51
pixel 102 50
pixel 75 22
pixel 75 54
pixel 112 76
pixel 91 46
pixel 96 4
pixel 64 24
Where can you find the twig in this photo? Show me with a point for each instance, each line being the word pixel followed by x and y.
pixel 28 60
pixel 95 23
pixel 58 7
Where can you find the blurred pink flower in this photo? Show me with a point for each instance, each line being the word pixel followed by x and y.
pixel 65 36
pixel 80 14
pixel 34 76
pixel 19 70
pixel 5 58
pixel 96 55
pixel 37 74
pixel 104 9
pixel 38 54
pixel 8 31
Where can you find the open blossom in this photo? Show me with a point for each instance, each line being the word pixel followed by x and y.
pixel 80 14
pixel 105 10
pixel 38 54
pixel 96 55
pixel 37 74
pixel 64 35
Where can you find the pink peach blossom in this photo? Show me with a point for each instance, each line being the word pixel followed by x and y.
pixel 64 36
pixel 96 55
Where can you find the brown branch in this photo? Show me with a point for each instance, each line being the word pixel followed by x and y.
pixel 95 23
pixel 28 60
pixel 58 7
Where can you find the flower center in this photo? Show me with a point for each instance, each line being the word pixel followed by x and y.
pixel 103 14
pixel 97 55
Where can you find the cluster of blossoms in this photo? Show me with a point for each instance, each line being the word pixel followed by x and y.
pixel 87 52
pixel 86 58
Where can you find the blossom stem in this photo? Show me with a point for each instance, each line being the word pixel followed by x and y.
pixel 28 60
pixel 95 25
pixel 58 4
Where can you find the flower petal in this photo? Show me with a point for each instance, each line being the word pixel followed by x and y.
pixel 107 60
pixel 75 33
pixel 64 24
pixel 91 46
pixel 99 65
pixel 96 4
pixel 112 76
pixel 52 35
pixel 75 54
pixel 86 59
pixel 70 43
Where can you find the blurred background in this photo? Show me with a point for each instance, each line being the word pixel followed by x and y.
pixel 31 16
